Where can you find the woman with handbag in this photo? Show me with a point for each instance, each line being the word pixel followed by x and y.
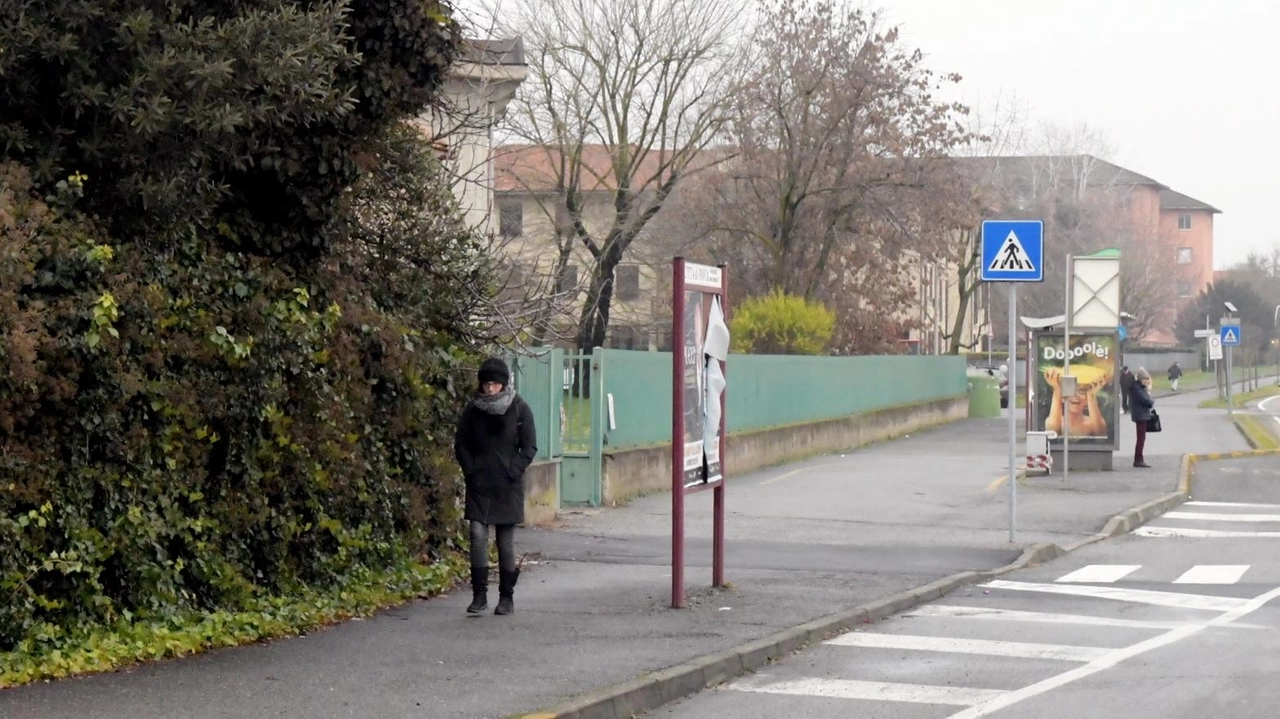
pixel 1142 408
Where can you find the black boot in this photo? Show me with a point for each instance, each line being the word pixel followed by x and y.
pixel 506 592
pixel 479 590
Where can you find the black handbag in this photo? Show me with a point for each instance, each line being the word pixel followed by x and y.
pixel 1153 424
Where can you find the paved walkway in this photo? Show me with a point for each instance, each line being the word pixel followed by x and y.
pixel 803 541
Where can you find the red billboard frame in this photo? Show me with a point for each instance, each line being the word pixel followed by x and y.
pixel 687 276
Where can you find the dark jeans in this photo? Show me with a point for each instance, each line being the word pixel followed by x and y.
pixel 1141 428
pixel 506 545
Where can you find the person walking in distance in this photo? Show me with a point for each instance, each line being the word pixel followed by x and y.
pixel 1126 383
pixel 494 445
pixel 1175 373
pixel 1140 411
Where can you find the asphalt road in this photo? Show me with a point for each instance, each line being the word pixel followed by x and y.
pixel 1182 621
pixel 1271 406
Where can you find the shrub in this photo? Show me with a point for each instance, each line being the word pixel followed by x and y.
pixel 778 323
pixel 192 429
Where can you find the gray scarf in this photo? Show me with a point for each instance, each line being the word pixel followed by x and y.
pixel 495 403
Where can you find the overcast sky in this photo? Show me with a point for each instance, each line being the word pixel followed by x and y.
pixel 1187 91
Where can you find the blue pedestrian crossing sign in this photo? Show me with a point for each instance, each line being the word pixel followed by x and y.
pixel 1230 335
pixel 1012 251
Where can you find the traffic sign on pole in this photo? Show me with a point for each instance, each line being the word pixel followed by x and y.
pixel 1230 335
pixel 1012 251
pixel 1215 347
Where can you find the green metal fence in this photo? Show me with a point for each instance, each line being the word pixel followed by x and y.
pixel 616 399
pixel 771 391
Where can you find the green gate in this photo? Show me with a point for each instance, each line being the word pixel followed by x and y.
pixel 565 392
pixel 582 411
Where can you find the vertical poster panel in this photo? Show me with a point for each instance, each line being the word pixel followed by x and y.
pixel 1095 408
pixel 695 323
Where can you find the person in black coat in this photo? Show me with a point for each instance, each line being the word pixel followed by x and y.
pixel 1141 407
pixel 494 445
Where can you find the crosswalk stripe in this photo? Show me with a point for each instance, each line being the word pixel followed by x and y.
pixel 1150 531
pixel 1137 596
pixel 1100 573
pixel 1213 574
pixel 872 691
pixel 1015 615
pixel 1239 505
pixel 1215 517
pixel 1025 650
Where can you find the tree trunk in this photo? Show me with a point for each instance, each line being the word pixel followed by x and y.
pixel 593 326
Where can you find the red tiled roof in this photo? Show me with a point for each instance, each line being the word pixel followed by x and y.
pixel 535 168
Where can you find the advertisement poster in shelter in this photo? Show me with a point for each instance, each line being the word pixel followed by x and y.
pixel 1093 412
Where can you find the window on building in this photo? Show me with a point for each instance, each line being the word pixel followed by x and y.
pixel 1184 221
pixel 569 281
pixel 627 283
pixel 1184 289
pixel 510 218
pixel 627 337
pixel 1185 255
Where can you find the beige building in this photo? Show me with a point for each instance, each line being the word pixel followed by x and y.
pixel 477 91
pixel 537 235
pixel 934 314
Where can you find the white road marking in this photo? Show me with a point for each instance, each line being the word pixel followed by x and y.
pixel 1016 615
pixel 872 691
pixel 1213 574
pixel 1214 517
pixel 988 647
pixel 1137 596
pixel 1100 573
pixel 1242 505
pixel 1008 699
pixel 1263 404
pixel 1190 532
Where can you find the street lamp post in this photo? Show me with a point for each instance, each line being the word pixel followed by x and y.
pixel 1275 324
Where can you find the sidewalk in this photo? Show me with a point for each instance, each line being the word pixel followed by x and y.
pixel 803 541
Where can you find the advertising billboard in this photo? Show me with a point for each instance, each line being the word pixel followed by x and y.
pixel 1093 412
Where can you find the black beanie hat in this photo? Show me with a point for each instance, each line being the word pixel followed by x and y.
pixel 495 370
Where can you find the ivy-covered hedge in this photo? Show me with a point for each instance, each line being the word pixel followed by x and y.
pixel 189 428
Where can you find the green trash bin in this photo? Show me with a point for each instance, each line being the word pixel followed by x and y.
pixel 984 395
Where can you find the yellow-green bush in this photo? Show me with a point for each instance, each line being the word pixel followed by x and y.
pixel 778 323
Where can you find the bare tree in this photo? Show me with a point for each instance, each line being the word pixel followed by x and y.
pixel 837 134
pixel 622 99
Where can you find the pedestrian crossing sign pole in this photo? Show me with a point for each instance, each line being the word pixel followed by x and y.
pixel 1013 252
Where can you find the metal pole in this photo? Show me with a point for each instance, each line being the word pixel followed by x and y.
pixel 1013 412
pixel 1230 411
pixel 677 433
pixel 1066 370
pixel 1275 324
pixel 717 523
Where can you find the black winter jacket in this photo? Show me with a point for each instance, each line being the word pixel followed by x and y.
pixel 494 451
pixel 1140 403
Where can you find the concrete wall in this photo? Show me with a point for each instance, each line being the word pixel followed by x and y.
pixel 541 493
pixel 630 473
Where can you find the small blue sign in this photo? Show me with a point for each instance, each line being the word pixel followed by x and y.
pixel 1230 335
pixel 1124 332
pixel 1012 251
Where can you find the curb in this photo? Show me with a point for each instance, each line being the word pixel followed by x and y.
pixel 656 689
